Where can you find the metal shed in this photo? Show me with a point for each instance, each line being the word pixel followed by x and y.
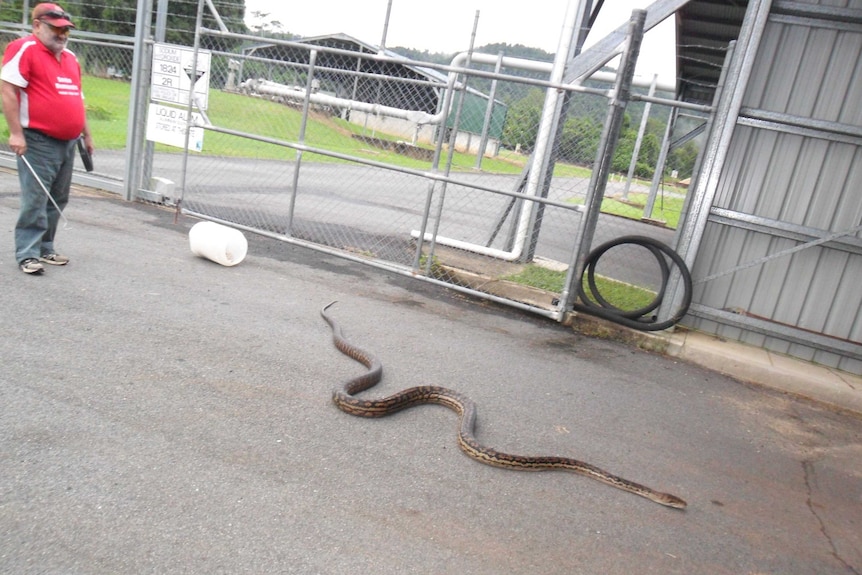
pixel 772 232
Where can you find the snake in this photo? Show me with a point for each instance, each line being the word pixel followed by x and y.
pixel 344 397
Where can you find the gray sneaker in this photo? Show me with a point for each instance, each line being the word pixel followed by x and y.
pixel 31 266
pixel 54 259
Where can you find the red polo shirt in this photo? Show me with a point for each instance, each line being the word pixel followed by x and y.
pixel 50 98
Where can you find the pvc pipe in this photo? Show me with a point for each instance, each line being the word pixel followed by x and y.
pixel 275 89
pixel 417 116
pixel 215 242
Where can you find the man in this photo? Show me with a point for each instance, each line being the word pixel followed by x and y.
pixel 40 85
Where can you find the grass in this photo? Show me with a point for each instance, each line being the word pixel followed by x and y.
pixel 620 294
pixel 539 277
pixel 107 103
pixel 107 108
pixel 667 208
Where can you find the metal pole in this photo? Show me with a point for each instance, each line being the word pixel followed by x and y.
pixel 149 147
pixel 385 26
pixel 550 127
pixel 136 131
pixel 489 114
pixel 445 108
pixel 44 189
pixel 660 165
pixel 453 142
pixel 639 140
pixel 306 105
pixel 191 102
pixel 599 178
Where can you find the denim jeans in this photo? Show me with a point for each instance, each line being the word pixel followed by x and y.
pixel 52 160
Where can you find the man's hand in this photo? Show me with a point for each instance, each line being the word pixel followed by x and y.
pixel 88 143
pixel 18 144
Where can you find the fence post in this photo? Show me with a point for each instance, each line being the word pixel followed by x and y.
pixel 141 62
pixel 489 111
pixel 641 131
pixel 150 147
pixel 602 166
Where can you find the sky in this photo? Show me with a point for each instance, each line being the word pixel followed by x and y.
pixel 449 27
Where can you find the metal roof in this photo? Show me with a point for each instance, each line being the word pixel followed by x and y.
pixel 704 28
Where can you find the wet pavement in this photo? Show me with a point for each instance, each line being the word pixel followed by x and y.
pixel 160 413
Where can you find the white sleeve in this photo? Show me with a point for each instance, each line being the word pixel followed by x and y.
pixel 11 71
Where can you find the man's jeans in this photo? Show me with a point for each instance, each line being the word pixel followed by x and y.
pixel 52 160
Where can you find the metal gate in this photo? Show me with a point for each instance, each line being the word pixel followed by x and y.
pixel 485 174
pixel 422 168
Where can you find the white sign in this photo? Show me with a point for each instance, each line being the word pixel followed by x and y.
pixel 167 125
pixel 173 76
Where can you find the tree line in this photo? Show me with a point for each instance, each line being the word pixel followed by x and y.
pixel 581 133
pixel 120 16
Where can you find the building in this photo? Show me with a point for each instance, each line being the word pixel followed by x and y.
pixel 392 95
pixel 773 230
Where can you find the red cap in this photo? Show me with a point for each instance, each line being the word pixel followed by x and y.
pixel 53 15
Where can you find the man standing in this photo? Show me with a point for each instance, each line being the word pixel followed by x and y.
pixel 40 85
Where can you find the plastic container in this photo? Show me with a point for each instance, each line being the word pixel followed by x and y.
pixel 218 243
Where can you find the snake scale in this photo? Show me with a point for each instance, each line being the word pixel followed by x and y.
pixel 344 397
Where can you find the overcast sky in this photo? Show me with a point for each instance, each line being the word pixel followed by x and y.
pixel 448 28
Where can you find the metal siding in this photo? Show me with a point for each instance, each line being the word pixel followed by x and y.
pixel 742 176
pixel 802 191
pixel 847 270
pixel 787 174
pixel 848 208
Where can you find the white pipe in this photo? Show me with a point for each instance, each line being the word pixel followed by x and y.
pixel 547 67
pixel 542 139
pixel 556 71
pixel 418 116
pixel 275 89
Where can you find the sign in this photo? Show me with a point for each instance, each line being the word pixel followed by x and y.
pixel 167 125
pixel 174 78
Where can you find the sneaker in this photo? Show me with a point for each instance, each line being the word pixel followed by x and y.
pixel 31 266
pixel 54 259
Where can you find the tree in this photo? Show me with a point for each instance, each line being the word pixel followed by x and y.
pixel 579 140
pixel 119 17
pixel 522 121
pixel 11 11
pixel 683 158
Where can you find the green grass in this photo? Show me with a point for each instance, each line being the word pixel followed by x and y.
pixel 107 107
pixel 107 103
pixel 622 295
pixel 667 208
pixel 539 277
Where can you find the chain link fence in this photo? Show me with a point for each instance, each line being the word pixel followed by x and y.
pixel 439 171
pixel 427 169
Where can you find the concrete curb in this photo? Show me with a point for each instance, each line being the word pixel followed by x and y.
pixel 837 389
pixel 747 363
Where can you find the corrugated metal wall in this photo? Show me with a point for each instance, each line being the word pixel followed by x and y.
pixel 781 270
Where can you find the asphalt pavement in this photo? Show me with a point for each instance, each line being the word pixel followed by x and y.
pixel 160 413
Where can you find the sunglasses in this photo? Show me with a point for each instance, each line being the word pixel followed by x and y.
pixel 55 14
pixel 57 29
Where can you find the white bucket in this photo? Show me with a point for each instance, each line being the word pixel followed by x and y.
pixel 221 244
